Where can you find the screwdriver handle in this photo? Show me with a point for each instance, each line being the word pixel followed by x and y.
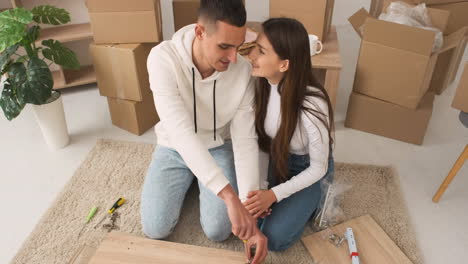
pixel 116 205
pixel 91 214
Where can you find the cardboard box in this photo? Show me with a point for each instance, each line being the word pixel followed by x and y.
pixel 448 62
pixel 316 15
pixel 185 12
pixel 122 21
pixel 436 2
pixel 121 70
pixel 448 67
pixel 396 61
pixel 389 120
pixel 135 117
pixel 458 15
pixel 460 101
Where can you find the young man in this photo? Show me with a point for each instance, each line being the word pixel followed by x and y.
pixel 204 97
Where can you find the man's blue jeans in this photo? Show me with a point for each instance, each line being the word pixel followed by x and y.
pixel 167 180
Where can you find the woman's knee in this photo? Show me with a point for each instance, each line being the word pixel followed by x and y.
pixel 280 239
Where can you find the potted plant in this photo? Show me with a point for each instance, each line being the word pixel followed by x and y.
pixel 25 72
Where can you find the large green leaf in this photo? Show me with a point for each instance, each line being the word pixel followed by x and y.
pixel 10 103
pixel 15 15
pixel 60 54
pixel 13 23
pixel 46 14
pixel 34 83
pixel 5 58
pixel 11 35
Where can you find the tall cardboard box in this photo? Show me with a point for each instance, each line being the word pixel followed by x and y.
pixel 121 70
pixel 460 101
pixel 316 15
pixel 135 117
pixel 185 12
pixel 389 120
pixel 123 21
pixel 396 61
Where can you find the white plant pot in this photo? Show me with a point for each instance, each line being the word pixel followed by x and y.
pixel 51 119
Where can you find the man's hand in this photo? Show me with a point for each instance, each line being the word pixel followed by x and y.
pixel 259 202
pixel 260 242
pixel 243 224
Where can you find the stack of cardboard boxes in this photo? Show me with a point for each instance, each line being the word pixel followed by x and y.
pixel 391 94
pixel 124 33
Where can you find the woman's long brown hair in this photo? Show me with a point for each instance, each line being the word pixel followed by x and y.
pixel 290 41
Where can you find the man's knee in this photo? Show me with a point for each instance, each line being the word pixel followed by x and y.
pixel 217 233
pixel 157 229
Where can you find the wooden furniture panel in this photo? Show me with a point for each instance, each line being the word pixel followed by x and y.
pixel 373 244
pixel 119 248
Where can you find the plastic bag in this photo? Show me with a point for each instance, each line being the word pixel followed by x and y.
pixel 330 213
pixel 417 16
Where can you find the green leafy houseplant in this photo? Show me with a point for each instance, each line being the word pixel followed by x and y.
pixel 28 77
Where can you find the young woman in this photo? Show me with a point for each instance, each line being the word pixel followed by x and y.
pixel 294 123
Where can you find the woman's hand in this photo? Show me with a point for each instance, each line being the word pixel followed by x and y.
pixel 258 202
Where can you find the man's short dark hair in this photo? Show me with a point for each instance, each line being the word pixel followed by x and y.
pixel 228 11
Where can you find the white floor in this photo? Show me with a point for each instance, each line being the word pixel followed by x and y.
pixel 31 175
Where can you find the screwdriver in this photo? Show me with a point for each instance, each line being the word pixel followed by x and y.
pixel 116 205
pixel 91 214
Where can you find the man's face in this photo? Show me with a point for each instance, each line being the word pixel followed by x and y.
pixel 220 45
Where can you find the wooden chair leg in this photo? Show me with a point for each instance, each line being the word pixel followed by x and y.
pixel 456 167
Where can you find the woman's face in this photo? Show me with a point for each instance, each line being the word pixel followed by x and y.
pixel 265 62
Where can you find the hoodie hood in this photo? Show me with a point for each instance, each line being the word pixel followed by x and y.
pixel 183 42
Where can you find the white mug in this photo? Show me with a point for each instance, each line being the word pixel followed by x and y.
pixel 314 43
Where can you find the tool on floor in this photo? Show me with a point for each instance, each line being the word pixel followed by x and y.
pixel 113 219
pixel 352 245
pixel 91 214
pixel 116 205
pixel 253 251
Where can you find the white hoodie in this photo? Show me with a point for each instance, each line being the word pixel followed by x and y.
pixel 222 108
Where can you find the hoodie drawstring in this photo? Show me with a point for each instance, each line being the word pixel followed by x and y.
pixel 214 110
pixel 195 105
pixel 194 101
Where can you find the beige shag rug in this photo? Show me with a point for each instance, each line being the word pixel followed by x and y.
pixel 115 168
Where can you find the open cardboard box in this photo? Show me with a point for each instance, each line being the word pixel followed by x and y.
pixel 121 70
pixel 396 61
pixel 316 15
pixel 122 21
pixel 447 62
pixel 460 101
pixel 389 120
